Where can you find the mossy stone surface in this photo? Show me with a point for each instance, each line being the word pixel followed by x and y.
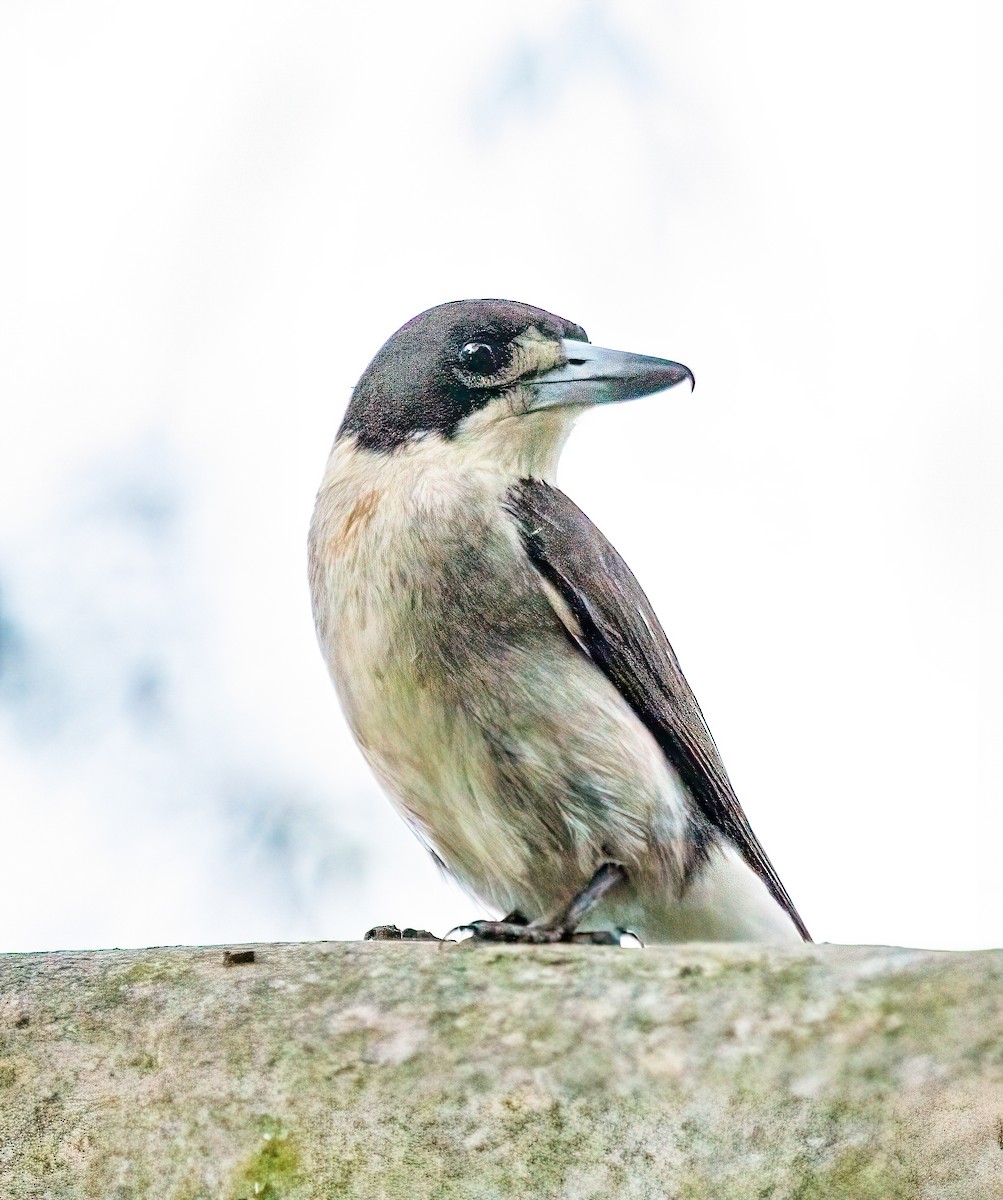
pixel 415 1070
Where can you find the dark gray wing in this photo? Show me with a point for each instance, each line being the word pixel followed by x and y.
pixel 622 635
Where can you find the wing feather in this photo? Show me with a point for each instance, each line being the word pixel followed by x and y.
pixel 622 635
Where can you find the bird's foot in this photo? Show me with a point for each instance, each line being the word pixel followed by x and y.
pixel 390 933
pixel 540 935
pixel 561 926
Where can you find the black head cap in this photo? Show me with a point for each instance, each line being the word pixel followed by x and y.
pixel 441 366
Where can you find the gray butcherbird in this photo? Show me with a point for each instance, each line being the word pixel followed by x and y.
pixel 501 669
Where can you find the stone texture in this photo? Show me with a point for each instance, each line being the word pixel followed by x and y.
pixel 402 1069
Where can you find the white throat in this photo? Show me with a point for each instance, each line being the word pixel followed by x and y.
pixel 515 444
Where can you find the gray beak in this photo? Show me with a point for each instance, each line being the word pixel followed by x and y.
pixel 592 375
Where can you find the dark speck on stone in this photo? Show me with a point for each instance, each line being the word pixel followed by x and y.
pixel 235 958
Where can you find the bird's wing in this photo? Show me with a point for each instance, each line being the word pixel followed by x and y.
pixel 618 629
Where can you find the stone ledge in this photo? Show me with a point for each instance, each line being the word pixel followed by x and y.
pixel 413 1070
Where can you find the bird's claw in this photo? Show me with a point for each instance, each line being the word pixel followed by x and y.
pixel 540 935
pixel 505 931
pixel 625 938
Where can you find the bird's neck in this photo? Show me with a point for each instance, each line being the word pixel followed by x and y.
pixel 487 453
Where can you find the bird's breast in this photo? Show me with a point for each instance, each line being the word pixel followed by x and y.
pixel 499 740
pixel 417 583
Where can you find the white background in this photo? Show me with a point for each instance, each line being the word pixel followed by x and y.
pixel 212 216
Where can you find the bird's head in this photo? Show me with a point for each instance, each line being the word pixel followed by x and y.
pixel 500 381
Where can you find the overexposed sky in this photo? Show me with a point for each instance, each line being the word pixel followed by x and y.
pixel 213 216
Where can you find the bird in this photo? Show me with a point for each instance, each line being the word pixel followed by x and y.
pixel 500 667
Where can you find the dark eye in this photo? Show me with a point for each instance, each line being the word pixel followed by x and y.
pixel 479 357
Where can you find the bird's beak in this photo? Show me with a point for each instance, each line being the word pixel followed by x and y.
pixel 592 375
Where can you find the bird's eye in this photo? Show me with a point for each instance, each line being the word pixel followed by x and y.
pixel 479 357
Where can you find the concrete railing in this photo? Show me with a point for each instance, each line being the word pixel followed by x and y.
pixel 414 1070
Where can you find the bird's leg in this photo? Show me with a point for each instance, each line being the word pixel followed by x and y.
pixel 568 919
pixel 562 926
